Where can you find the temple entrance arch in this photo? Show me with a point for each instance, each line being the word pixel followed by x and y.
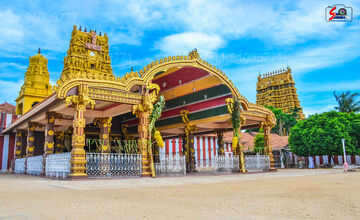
pixel 193 59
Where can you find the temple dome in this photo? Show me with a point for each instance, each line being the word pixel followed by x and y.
pixel 38 59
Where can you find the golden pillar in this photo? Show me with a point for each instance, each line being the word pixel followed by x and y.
pixel 143 142
pixel 143 111
pixel 220 141
pixel 241 151
pixel 49 132
pixel 78 160
pixel 267 125
pixel 189 149
pixel 59 142
pixel 31 138
pixel 237 120
pixel 18 143
pixel 105 125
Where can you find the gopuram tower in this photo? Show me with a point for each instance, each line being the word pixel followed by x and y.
pixel 277 89
pixel 36 84
pixel 88 55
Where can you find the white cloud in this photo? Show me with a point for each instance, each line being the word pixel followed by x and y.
pixel 317 109
pixel 331 86
pixel 178 44
pixel 10 90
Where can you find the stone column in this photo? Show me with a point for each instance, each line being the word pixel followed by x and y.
pixel 267 125
pixel 105 125
pixel 220 141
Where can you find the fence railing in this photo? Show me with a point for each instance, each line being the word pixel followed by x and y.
pixel 19 165
pixel 58 165
pixel 219 164
pixel 226 164
pixel 257 162
pixel 113 164
pixel 170 165
pixel 35 165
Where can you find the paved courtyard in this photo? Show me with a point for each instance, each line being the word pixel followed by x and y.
pixel 287 194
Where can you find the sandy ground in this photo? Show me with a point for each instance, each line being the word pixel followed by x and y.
pixel 287 194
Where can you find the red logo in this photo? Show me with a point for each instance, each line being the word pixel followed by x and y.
pixel 332 13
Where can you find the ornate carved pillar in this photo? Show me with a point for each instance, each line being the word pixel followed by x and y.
pixel 237 120
pixel 143 111
pixel 143 142
pixel 220 141
pixel 267 125
pixel 241 147
pixel 78 160
pixel 49 132
pixel 31 138
pixel 105 125
pixel 18 145
pixel 59 142
pixel 156 153
pixel 188 144
pixel 192 150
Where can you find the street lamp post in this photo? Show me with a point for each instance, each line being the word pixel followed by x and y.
pixel 346 165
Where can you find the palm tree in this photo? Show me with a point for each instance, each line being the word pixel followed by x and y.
pixel 347 102
pixel 295 111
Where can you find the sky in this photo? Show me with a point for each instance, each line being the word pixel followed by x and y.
pixel 242 38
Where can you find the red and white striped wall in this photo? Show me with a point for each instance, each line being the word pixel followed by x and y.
pixel 7 142
pixel 337 160
pixel 206 149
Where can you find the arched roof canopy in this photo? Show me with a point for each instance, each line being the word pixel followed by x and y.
pixel 193 59
pixel 173 66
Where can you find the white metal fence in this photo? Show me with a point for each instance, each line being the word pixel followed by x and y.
pixel 226 164
pixel 113 164
pixel 58 165
pixel 257 162
pixel 219 164
pixel 35 165
pixel 19 165
pixel 170 165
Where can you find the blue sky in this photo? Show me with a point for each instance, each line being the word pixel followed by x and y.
pixel 242 38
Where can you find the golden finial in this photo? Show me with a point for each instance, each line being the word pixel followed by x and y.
pixel 194 55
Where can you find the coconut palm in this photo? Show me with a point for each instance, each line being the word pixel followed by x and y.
pixel 347 102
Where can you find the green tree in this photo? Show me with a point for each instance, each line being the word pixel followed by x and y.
pixel 321 134
pixel 259 143
pixel 284 121
pixel 347 102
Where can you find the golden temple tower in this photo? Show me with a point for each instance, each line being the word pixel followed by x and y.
pixel 88 54
pixel 36 84
pixel 277 89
